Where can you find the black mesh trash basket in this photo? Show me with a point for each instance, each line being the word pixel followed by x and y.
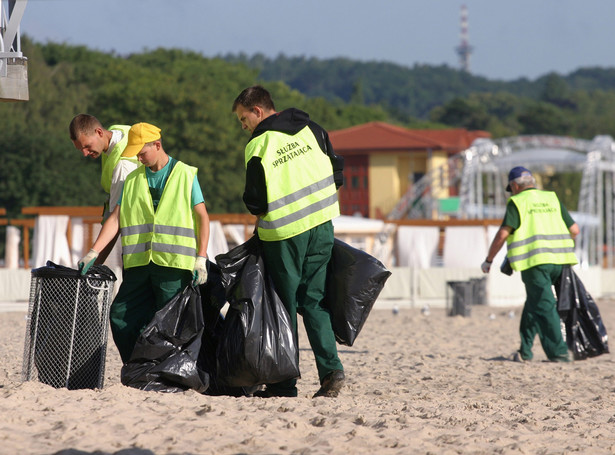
pixel 67 326
pixel 479 290
pixel 462 297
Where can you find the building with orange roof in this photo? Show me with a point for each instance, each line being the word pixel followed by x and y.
pixel 381 161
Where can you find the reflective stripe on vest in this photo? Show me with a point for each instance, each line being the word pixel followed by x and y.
pixel 166 237
pixel 306 211
pixel 160 247
pixel 109 161
pixel 301 192
pixel 528 246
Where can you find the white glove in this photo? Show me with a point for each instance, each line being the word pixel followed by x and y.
pixel 485 266
pixel 199 274
pixel 87 261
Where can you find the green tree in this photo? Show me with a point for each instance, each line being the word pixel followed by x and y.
pixel 41 165
pixel 464 113
pixel 544 118
pixel 557 92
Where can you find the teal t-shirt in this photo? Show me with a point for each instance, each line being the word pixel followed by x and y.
pixel 157 181
pixel 512 218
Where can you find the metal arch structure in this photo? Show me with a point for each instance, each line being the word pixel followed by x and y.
pixel 486 165
pixel 479 175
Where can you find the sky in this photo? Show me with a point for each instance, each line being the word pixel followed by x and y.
pixel 510 39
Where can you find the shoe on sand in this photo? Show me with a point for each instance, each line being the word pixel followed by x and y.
pixel 331 385
pixel 516 357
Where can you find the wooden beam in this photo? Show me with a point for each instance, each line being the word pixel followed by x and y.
pixel 93 215
pixel 445 223
pixel 26 224
pixel 233 218
pixel 74 211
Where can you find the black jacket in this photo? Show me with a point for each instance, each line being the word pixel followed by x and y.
pixel 289 121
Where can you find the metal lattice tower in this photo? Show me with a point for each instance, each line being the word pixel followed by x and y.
pixel 464 49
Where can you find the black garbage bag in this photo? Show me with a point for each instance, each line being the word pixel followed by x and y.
pixel 585 333
pixel 165 356
pixel 505 267
pixel 213 298
pixel 354 281
pixel 177 349
pixel 257 345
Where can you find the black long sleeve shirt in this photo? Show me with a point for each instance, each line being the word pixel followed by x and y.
pixel 289 121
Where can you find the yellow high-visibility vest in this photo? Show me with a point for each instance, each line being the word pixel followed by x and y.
pixel 301 192
pixel 109 161
pixel 542 237
pixel 166 237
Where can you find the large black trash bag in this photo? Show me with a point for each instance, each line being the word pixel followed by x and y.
pixel 213 298
pixel 165 356
pixel 257 345
pixel 354 281
pixel 585 333
pixel 177 349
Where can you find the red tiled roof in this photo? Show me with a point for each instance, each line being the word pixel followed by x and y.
pixel 380 136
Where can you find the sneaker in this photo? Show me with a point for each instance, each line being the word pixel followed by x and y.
pixel 331 385
pixel 517 357
pixel 563 358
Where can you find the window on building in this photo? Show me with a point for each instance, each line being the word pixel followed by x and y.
pixel 416 176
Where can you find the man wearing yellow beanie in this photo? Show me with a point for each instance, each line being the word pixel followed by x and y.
pixel 163 220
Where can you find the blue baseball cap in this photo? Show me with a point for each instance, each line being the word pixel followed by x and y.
pixel 516 172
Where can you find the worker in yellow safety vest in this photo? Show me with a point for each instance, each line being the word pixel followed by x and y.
pixel 540 235
pixel 94 141
pixel 163 220
pixel 292 176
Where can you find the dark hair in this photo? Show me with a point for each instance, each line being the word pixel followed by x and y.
pixel 254 96
pixel 83 124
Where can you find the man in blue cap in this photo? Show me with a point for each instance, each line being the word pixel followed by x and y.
pixel 540 234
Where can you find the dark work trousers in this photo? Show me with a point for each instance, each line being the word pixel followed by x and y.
pixel 298 267
pixel 143 292
pixel 540 313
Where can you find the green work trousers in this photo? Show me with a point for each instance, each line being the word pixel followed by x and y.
pixel 143 292
pixel 540 314
pixel 298 268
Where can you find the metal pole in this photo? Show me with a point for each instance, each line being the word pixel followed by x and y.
pixel 72 335
pixel 609 217
pixel 601 217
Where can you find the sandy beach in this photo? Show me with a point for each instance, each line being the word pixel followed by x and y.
pixel 415 384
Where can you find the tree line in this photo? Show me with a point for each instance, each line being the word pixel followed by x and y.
pixel 189 97
pixel 578 104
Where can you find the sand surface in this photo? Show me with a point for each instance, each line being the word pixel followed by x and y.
pixel 415 384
